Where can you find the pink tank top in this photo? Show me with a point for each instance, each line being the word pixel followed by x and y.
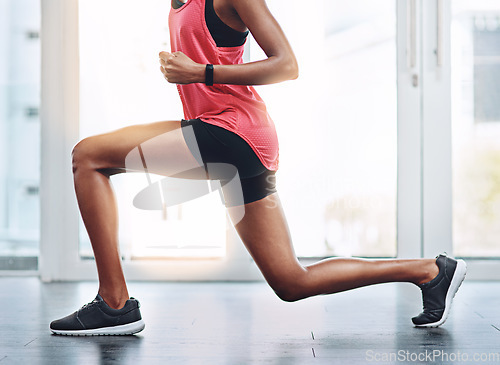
pixel 237 108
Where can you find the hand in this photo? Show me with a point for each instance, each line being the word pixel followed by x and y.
pixel 178 68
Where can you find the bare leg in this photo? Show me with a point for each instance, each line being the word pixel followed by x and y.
pixel 94 160
pixel 264 231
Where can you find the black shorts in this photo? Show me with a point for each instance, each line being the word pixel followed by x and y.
pixel 228 157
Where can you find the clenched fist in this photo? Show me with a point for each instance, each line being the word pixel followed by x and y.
pixel 177 68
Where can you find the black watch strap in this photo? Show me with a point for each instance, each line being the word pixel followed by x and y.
pixel 209 75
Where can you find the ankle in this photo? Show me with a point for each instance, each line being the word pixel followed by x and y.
pixel 114 299
pixel 429 271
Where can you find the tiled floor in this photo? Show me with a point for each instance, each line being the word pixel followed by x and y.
pixel 245 323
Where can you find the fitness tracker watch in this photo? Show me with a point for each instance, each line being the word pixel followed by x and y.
pixel 209 75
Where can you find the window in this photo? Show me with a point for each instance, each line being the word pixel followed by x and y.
pixel 19 134
pixel 486 43
pixel 476 131
pixel 337 127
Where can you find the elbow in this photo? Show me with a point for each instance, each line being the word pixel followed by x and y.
pixel 287 68
pixel 296 73
pixel 283 69
pixel 291 69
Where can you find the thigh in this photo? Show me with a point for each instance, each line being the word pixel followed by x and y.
pixel 238 190
pixel 263 228
pixel 158 148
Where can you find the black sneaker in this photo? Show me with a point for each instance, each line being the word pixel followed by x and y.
pixel 97 318
pixel 438 293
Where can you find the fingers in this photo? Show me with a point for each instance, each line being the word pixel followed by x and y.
pixel 168 56
pixel 164 55
pixel 168 66
pixel 165 58
pixel 164 72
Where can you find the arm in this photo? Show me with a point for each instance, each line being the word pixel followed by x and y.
pixel 280 64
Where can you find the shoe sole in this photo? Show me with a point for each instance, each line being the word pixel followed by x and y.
pixel 123 330
pixel 456 281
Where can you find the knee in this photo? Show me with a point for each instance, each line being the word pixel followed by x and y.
pixel 288 295
pixel 82 153
pixel 291 288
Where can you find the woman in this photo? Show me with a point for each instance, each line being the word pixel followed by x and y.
pixel 226 126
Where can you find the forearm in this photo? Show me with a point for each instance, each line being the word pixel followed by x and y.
pixel 269 71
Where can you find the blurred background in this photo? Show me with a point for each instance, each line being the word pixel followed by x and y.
pixel 337 126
